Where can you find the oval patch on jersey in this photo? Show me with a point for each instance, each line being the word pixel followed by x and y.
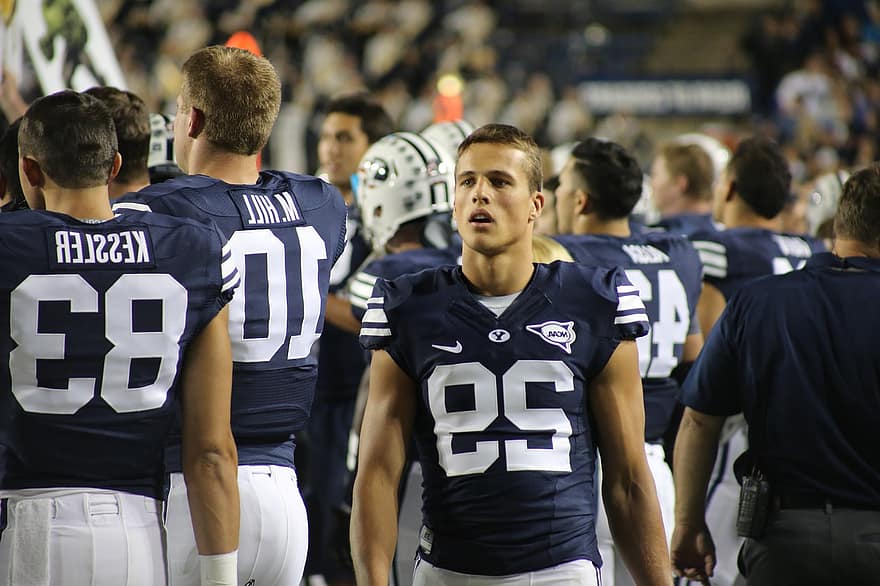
pixel 557 333
pixel 499 336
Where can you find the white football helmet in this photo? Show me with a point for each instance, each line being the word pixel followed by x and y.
pixel 824 198
pixel 448 135
pixel 402 177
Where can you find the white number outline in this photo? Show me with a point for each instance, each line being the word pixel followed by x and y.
pixel 32 345
pixel 483 383
pixel 671 327
pixel 265 243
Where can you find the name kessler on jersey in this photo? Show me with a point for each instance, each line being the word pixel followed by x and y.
pixel 110 248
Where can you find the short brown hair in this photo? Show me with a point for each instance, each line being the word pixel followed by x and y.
pixel 858 212
pixel 516 138
pixel 132 120
pixel 239 94
pixel 694 164
pixel 72 137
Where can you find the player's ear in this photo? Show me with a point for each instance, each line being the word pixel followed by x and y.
pixel 537 205
pixel 196 123
pixel 681 182
pixel 31 172
pixel 582 202
pixel 731 190
pixel 117 165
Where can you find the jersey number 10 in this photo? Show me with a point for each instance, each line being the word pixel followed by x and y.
pixel 279 317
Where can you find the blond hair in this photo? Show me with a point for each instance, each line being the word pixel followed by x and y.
pixel 239 94
pixel 547 250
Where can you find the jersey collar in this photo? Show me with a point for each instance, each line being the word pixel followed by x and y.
pixel 827 259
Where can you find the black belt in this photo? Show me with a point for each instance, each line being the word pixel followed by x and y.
pixel 809 500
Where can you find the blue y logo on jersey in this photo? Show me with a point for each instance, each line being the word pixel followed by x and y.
pixel 557 333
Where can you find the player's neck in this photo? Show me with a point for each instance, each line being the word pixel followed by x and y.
pixel 687 205
pixel 396 247
pixel 118 189
pixel 591 224
pixel 847 247
pixel 228 167
pixel 500 274
pixel 739 215
pixel 347 193
pixel 91 203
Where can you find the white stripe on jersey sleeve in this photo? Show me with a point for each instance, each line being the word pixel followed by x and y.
pixel 713 256
pixel 130 205
pixel 714 264
pixel 714 272
pixel 376 332
pixel 360 288
pixel 228 271
pixel 628 302
pixel 632 318
pixel 710 246
pixel 375 315
pixel 630 307
pixel 375 321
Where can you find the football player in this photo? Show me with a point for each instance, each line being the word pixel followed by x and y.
pixel 598 188
pixel 285 231
pixel 506 371
pixel 351 124
pixel 796 353
pixel 132 120
pixel 749 196
pixel 106 326
pixel 681 188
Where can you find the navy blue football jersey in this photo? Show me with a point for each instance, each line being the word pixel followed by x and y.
pixel 339 374
pixel 95 320
pixel 804 346
pixel 503 423
pixel 285 233
pixel 392 266
pixel 688 224
pixel 735 256
pixel 666 270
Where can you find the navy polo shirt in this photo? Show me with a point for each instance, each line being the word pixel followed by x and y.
pixel 804 342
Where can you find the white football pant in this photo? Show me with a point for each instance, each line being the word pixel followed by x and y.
pixel 274 535
pixel 576 573
pixel 81 537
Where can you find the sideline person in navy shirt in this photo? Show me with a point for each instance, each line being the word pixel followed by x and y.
pixel 797 355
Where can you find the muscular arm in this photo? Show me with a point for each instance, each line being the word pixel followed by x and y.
pixel 339 314
pixel 709 307
pixel 693 553
pixel 627 486
pixel 692 346
pixel 210 462
pixel 386 429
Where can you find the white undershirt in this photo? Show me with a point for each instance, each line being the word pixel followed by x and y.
pixel 497 303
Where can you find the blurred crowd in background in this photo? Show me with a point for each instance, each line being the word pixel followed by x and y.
pixel 812 66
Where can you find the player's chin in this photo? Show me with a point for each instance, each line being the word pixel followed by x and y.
pixel 484 244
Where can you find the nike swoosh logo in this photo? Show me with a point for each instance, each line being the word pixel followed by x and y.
pixel 454 349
